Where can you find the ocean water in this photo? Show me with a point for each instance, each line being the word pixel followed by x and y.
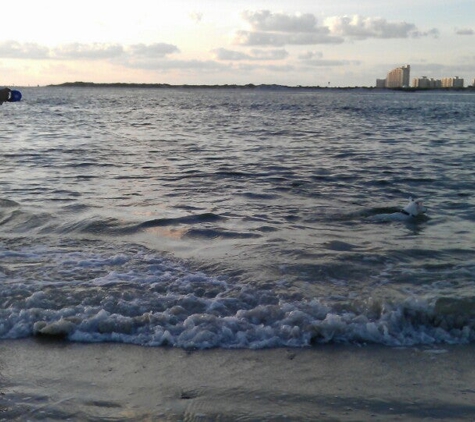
pixel 202 218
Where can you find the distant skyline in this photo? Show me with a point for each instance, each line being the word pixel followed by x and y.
pixel 303 42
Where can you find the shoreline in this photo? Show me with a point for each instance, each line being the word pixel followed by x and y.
pixel 250 86
pixel 57 380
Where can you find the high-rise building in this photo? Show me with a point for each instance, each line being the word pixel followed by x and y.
pixel 399 77
pixel 455 82
pixel 426 83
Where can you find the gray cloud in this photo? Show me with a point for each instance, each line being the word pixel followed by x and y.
pixel 277 68
pixel 279 39
pixel 310 55
pixel 256 54
pixel 279 29
pixel 465 31
pixel 182 65
pixel 315 59
pixel 434 33
pixel 136 56
pixel 360 27
pixel 266 21
pixel 230 55
pixel 331 63
pixel 281 68
pixel 16 50
pixel 77 51
pixel 279 54
pixel 153 50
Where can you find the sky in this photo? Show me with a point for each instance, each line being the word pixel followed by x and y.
pixel 292 42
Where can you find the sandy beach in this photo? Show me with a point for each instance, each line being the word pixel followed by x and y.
pixel 44 380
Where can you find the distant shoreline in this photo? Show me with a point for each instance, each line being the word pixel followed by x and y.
pixel 240 87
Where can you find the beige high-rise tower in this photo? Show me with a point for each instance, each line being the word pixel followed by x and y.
pixel 399 77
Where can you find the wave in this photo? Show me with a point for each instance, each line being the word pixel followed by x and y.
pixel 16 219
pixel 92 292
pixel 191 219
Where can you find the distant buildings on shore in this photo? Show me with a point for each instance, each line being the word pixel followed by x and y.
pixel 426 83
pixel 399 79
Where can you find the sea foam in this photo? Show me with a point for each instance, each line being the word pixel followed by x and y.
pixel 137 296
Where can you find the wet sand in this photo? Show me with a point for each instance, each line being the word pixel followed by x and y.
pixel 44 380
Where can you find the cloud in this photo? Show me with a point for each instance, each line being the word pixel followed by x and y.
pixel 279 54
pixel 465 31
pixel 230 55
pixel 136 56
pixel 360 28
pixel 96 51
pixel 153 50
pixel 256 54
pixel 309 55
pixel 112 51
pixel 16 50
pixel 279 40
pixel 78 51
pixel 281 68
pixel 279 29
pixel 331 63
pixel 315 59
pixel 148 57
pixel 266 21
pixel 179 65
pixel 434 33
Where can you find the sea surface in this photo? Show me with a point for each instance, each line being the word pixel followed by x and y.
pixel 201 218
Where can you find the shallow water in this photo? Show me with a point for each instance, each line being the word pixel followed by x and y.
pixel 228 218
